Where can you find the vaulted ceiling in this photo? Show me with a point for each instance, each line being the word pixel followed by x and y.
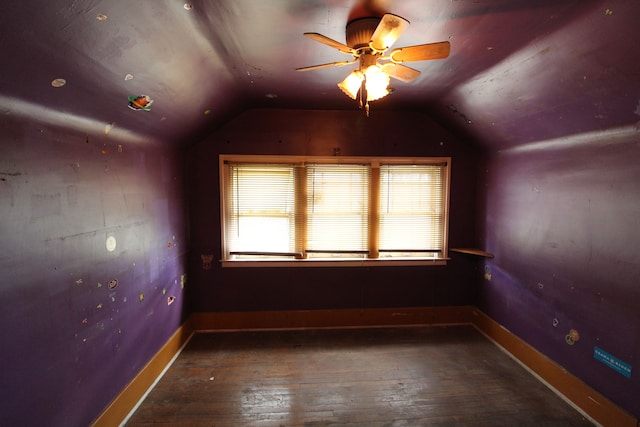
pixel 519 71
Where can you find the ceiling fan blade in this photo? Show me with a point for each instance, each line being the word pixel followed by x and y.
pixel 400 72
pixel 332 64
pixel 330 42
pixel 387 32
pixel 421 52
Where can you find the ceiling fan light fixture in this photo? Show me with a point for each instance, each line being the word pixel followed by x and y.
pixel 351 85
pixel 376 83
pixel 368 39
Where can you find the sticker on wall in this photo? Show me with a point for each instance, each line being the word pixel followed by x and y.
pixel 111 243
pixel 79 282
pixel 128 77
pixel 170 300
pixel 101 17
pixel 113 283
pixel 183 280
pixel 170 245
pixel 188 6
pixel 58 82
pixel 613 362
pixel 140 102
pixel 206 261
pixel 487 272
pixel 108 127
pixel 572 337
pixel 140 296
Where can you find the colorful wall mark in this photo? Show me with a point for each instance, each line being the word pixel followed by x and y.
pixel 140 102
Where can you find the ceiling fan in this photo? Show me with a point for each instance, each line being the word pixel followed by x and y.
pixel 367 41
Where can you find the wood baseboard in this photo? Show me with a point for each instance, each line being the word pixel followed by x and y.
pixel 590 402
pixel 345 318
pixel 122 405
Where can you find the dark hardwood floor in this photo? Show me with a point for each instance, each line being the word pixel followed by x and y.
pixel 411 376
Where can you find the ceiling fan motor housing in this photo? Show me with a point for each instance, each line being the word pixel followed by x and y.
pixel 359 32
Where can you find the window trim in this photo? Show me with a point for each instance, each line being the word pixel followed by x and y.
pixel 375 162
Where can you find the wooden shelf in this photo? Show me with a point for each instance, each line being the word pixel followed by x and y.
pixel 472 251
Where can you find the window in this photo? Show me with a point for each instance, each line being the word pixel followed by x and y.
pixel 336 210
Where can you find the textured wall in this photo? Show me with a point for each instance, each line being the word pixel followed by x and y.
pixel 319 133
pixel 563 219
pixel 79 320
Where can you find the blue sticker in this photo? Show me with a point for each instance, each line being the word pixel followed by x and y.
pixel 612 362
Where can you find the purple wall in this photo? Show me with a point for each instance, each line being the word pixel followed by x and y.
pixel 318 133
pixel 563 220
pixel 70 343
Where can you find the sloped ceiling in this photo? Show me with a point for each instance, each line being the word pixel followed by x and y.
pixel 519 72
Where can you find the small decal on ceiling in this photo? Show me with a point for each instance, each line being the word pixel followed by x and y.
pixel 140 102
pixel 101 17
pixel 58 82
pixel 128 77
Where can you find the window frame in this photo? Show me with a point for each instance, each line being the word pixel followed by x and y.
pixel 374 162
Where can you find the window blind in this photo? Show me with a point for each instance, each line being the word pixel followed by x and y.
pixel 411 215
pixel 337 210
pixel 261 209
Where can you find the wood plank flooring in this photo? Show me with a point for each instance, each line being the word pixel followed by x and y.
pixel 375 377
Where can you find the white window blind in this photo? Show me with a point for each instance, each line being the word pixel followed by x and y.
pixel 337 210
pixel 411 210
pixel 260 209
